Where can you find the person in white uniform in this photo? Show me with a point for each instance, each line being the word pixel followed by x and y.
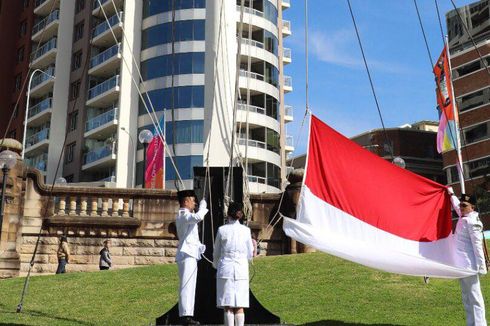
pixel 233 249
pixel 469 246
pixel 189 252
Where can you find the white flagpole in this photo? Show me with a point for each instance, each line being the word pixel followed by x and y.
pixel 456 124
pixel 164 144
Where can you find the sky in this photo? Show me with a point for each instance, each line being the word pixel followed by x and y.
pixel 339 90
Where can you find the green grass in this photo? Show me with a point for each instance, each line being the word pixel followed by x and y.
pixel 311 288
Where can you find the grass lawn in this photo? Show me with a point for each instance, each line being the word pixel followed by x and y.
pixel 313 289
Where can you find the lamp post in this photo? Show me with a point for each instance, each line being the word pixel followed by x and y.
pixel 27 107
pixel 145 136
pixel 398 161
pixel 133 165
pixel 7 161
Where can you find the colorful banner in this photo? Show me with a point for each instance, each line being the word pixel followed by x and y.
pixel 357 206
pixel 446 134
pixel 155 161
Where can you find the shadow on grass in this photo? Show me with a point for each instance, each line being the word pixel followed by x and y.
pixel 33 313
pixel 341 323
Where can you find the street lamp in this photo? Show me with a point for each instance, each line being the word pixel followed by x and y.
pixel 398 161
pixel 134 155
pixel 27 107
pixel 7 161
pixel 145 136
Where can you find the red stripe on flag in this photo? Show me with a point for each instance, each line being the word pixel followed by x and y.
pixel 397 201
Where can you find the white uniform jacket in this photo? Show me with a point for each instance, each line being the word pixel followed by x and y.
pixel 233 249
pixel 187 230
pixel 469 240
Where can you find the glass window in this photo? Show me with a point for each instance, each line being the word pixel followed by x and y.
pixel 479 167
pixel 185 30
pixel 184 97
pixel 474 99
pixel 270 12
pixel 185 165
pixel 70 152
pixel 153 7
pixel 78 31
pixel 186 131
pixel 184 63
pixel 73 119
pixel 476 133
pixel 272 141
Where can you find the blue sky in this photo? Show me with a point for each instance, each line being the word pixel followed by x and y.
pixel 339 91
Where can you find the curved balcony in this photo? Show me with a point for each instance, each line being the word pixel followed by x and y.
pixel 102 35
pixel 39 162
pixel 288 84
pixel 102 126
pixel 258 184
pixel 107 62
pixel 40 113
pixel 38 142
pixel 107 7
pixel 257 19
pixel 43 7
pixel 285 4
pixel 286 28
pixel 101 157
pixel 45 54
pixel 47 27
pixel 258 86
pixel 289 144
pixel 256 116
pixel 256 51
pixel 42 83
pixel 288 113
pixel 257 151
pixel 104 94
pixel 286 56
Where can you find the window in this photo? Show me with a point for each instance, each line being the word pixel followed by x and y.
pixel 151 8
pixel 75 89
pixel 72 120
pixel 186 30
pixel 474 99
pixel 20 54
pixel 23 28
pixel 185 164
pixel 183 63
pixel 78 31
pixel 476 133
pixel 70 152
pixel 18 82
pixel 79 6
pixel 479 167
pixel 186 131
pixel 76 60
pixel 184 97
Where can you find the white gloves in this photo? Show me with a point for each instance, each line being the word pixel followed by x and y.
pixel 203 204
pixel 450 191
pixel 482 270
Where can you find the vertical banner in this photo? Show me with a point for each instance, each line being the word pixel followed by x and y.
pixel 155 161
pixel 447 132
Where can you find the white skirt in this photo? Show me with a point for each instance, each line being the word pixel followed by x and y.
pixel 232 293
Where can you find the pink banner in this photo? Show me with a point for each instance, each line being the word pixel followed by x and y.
pixel 155 166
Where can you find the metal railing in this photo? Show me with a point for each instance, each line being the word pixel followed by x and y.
pixel 288 2
pixel 251 108
pixel 286 26
pixel 288 110
pixel 40 107
pixel 252 42
pixel 98 153
pixel 250 74
pixel 111 178
pixel 55 15
pixel 43 49
pixel 103 87
pixel 37 137
pixel 39 162
pixel 257 179
pixel 250 11
pixel 101 119
pixel 251 142
pixel 105 25
pixel 288 81
pixel 105 55
pixel 286 53
pixel 289 141
pixel 40 78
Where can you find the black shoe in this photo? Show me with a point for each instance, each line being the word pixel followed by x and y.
pixel 187 320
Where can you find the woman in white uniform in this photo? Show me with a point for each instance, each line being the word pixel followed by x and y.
pixel 233 249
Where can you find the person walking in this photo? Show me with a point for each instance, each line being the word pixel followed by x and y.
pixel 105 261
pixel 233 249
pixel 63 254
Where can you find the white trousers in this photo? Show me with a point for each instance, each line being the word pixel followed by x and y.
pixel 187 285
pixel 473 301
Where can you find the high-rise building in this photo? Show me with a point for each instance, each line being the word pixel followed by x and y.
pixel 90 57
pixel 471 81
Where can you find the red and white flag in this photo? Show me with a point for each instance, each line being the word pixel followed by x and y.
pixel 359 207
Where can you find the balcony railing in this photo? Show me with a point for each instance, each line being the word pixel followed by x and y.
pixel 111 178
pixel 105 55
pixel 257 179
pixel 252 43
pixel 40 78
pixel 43 49
pixel 289 141
pixel 98 154
pixel 38 162
pixel 286 2
pixel 40 107
pixel 250 74
pixel 55 15
pixel 288 110
pixel 251 142
pixel 288 81
pixel 249 10
pixel 286 53
pixel 37 137
pixel 103 87
pixel 96 3
pixel 101 119
pixel 251 108
pixel 106 25
pixel 286 26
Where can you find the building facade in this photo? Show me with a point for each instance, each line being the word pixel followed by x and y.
pixel 111 68
pixel 471 82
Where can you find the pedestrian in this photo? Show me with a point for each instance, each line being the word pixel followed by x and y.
pixel 233 249
pixel 469 246
pixel 189 252
pixel 63 254
pixel 105 261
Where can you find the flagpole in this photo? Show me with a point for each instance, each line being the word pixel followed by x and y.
pixel 164 143
pixel 456 121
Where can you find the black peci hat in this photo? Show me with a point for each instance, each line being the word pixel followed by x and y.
pixel 468 198
pixel 234 208
pixel 185 193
